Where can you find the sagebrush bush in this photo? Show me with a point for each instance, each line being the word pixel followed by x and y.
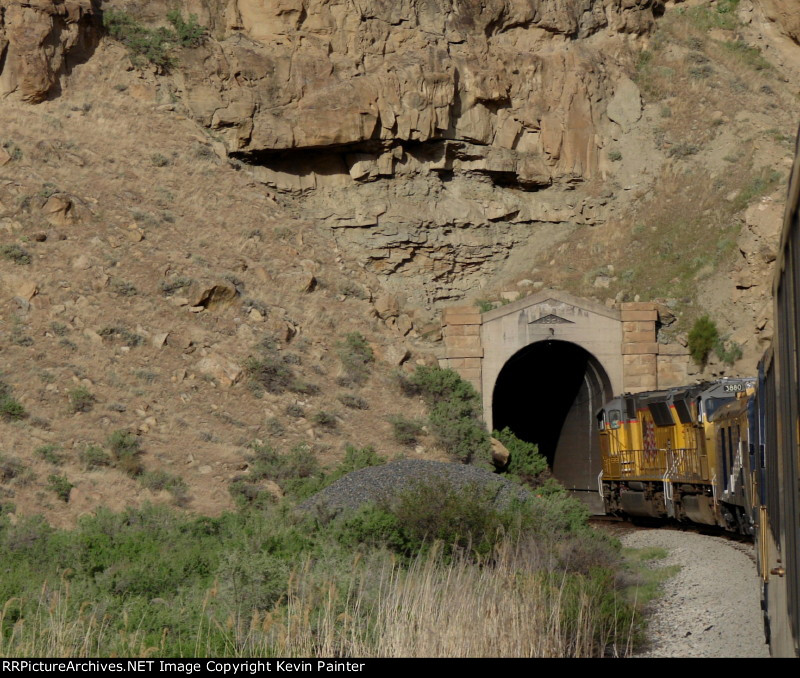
pixel 10 468
pixel 17 254
pixel 325 419
pixel 356 357
pixel 156 481
pixel 80 399
pixel 352 401
pixel 405 431
pixel 727 351
pixel 50 454
pixel 702 339
pixel 60 486
pixel 94 457
pixel 269 372
pixel 11 409
pixel 125 448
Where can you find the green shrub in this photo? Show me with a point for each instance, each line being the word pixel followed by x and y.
pixel 10 468
pixel 17 254
pixel 356 356
pixel 80 399
pixel 270 373
pixel 156 481
pixel 465 519
pixel 295 411
pixel 614 156
pixel 60 486
pixel 405 430
pixel 353 401
pixel 124 288
pixel 11 408
pixel 189 33
pixel 356 458
pixel 94 457
pixel 274 427
pixel 484 305
pixel 525 462
pixel 727 351
pixel 303 387
pixel 702 339
pixel 153 45
pixel 50 454
pixel 454 413
pixel 325 419
pixel 125 449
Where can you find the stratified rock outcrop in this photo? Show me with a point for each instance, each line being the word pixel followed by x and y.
pixel 37 40
pixel 785 14
pixel 432 135
pixel 424 131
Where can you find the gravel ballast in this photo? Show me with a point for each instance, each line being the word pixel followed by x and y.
pixel 381 483
pixel 711 608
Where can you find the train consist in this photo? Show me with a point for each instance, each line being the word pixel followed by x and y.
pixel 726 453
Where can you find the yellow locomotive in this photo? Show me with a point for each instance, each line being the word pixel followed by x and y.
pixel 663 455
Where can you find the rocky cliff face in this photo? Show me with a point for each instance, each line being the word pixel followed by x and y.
pixel 446 144
pixel 39 40
pixel 434 135
pixel 785 14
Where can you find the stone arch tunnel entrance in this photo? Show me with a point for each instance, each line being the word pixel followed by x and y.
pixel 545 364
pixel 548 393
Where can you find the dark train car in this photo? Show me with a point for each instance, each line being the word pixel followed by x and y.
pixel 776 429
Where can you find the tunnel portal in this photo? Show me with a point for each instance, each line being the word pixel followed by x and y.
pixel 548 393
pixel 545 363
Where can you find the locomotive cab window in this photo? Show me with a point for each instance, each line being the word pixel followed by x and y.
pixel 614 418
pixel 661 414
pixel 684 411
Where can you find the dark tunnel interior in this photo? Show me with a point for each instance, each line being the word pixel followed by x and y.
pixel 548 394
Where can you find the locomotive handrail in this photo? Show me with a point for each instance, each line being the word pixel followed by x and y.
pixel 681 464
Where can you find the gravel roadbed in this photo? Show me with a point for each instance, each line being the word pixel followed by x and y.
pixel 711 607
pixel 381 483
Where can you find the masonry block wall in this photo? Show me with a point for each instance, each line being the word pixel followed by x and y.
pixel 462 342
pixel 639 346
pixel 646 364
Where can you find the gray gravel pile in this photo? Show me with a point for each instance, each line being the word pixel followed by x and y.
pixel 381 483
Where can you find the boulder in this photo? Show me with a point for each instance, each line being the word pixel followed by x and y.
pixel 211 296
pixel 224 370
pixel 500 454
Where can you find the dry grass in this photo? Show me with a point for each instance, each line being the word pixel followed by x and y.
pixel 515 607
